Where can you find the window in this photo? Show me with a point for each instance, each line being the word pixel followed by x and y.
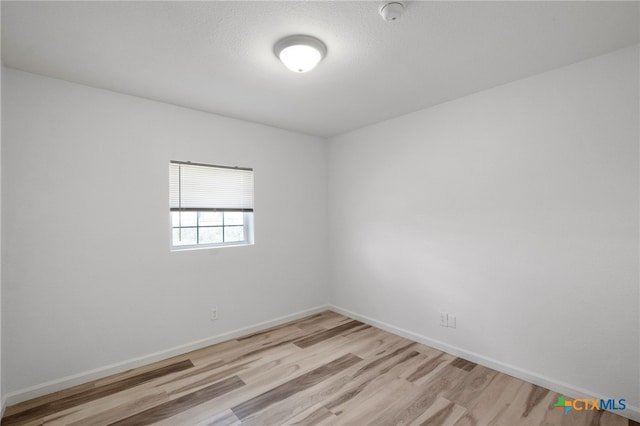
pixel 210 206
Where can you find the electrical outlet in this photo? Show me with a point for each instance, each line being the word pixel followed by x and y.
pixel 451 321
pixel 443 319
pixel 214 314
pixel 447 320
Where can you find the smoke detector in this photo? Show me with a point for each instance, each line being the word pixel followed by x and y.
pixel 392 11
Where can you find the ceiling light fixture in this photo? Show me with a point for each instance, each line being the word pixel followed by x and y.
pixel 300 53
pixel 392 11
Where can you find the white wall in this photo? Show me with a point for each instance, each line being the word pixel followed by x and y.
pixel 88 276
pixel 515 209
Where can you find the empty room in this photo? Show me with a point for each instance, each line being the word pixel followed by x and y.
pixel 320 213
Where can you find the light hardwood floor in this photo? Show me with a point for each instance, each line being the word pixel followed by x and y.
pixel 325 369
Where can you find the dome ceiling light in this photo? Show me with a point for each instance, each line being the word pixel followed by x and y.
pixel 392 11
pixel 300 53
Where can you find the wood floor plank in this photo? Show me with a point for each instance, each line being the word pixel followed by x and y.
pixel 268 333
pixel 366 406
pixel 365 382
pixel 181 404
pixel 256 347
pixel 295 364
pixel 429 368
pixel 140 370
pixel 198 417
pixel 268 378
pixel 92 385
pixel 378 342
pixel 313 415
pixel 94 393
pixel 251 365
pixel 331 319
pixel 467 390
pixel 528 407
pixel 610 419
pixel 226 418
pixel 327 334
pixel 213 353
pixel 46 399
pixel 248 349
pixel 442 413
pixel 351 401
pixel 268 360
pixel 111 415
pixel 283 411
pixel 312 321
pixel 383 358
pixel 360 389
pixel 407 410
pixel 299 383
pixel 207 379
pixel 492 401
pixel 325 369
pixel 464 364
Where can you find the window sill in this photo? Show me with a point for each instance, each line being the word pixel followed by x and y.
pixel 217 246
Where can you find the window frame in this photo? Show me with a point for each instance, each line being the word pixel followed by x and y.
pixel 246 210
pixel 247 225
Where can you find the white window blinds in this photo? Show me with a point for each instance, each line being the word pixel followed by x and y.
pixel 209 188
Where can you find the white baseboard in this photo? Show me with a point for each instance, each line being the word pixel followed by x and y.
pixel 98 373
pixel 565 389
pixel 632 412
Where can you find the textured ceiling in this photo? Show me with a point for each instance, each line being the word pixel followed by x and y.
pixel 218 56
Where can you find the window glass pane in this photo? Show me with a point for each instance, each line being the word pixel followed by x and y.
pixel 210 219
pixel 184 236
pixel 233 233
pixel 210 235
pixel 175 222
pixel 233 218
pixel 184 219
